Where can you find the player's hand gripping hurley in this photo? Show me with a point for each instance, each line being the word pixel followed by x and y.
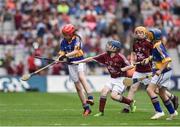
pixel 130 81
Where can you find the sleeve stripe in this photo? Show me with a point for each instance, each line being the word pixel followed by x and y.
pixel 160 51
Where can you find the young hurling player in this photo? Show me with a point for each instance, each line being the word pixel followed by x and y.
pixel 70 47
pixel 142 48
pixel 162 74
pixel 117 66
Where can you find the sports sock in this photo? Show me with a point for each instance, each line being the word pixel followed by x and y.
pixel 125 100
pixel 86 106
pixel 169 106
pixel 156 104
pixel 102 103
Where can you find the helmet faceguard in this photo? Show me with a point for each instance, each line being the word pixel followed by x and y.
pixel 156 34
pixel 140 32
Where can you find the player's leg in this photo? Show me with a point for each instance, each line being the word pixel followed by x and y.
pixel 102 100
pixel 154 99
pixel 167 102
pixel 86 87
pixel 133 90
pixel 117 92
pixel 120 98
pixel 130 96
pixel 172 97
pixel 81 95
pixel 162 92
pixel 85 84
pixel 73 73
pixel 135 87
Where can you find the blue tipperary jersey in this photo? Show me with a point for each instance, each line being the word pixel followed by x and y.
pixel 74 44
pixel 160 55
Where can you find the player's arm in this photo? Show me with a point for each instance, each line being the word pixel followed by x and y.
pixel 73 53
pixel 76 50
pixel 165 61
pixel 146 60
pixel 98 58
pixel 64 57
pixel 127 68
pixel 133 58
pixel 84 60
pixel 62 54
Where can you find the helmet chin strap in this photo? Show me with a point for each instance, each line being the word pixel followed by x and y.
pixel 109 52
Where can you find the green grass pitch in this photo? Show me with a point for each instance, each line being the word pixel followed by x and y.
pixel 61 109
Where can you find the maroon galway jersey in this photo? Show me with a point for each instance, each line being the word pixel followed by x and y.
pixel 143 50
pixel 113 64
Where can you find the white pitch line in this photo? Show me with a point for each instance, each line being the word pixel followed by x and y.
pixel 68 109
pixel 57 124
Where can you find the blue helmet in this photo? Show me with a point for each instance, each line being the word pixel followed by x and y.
pixel 157 34
pixel 114 45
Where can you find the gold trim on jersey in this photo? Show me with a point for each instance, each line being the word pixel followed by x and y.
pixel 158 65
pixel 167 59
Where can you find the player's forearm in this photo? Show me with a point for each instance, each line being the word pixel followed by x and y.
pixel 71 53
pixel 150 58
pixel 127 68
pixel 146 60
pixel 132 58
pixel 84 60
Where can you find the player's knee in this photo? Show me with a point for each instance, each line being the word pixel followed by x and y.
pixel 149 90
pixel 81 78
pixel 156 91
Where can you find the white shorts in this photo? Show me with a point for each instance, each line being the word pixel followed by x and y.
pixel 74 70
pixel 116 84
pixel 162 80
pixel 140 75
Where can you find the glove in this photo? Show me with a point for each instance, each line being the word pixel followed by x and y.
pixel 64 59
